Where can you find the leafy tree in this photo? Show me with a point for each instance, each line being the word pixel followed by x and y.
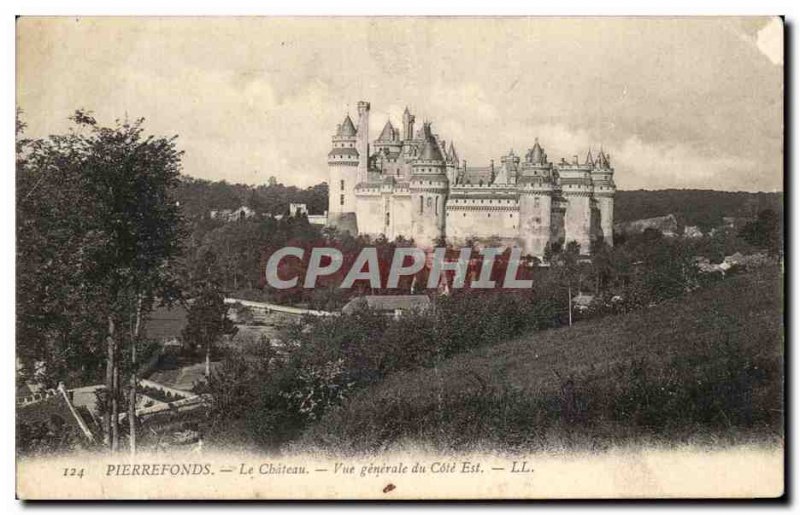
pixel 765 232
pixel 98 233
pixel 567 270
pixel 207 321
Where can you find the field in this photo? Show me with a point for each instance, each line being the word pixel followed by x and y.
pixel 703 368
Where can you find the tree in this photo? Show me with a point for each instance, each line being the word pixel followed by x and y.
pixel 765 232
pixel 96 211
pixel 567 270
pixel 207 320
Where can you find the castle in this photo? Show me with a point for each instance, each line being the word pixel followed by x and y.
pixel 411 183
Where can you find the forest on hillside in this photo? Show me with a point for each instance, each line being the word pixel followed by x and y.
pixel 198 197
pixel 704 208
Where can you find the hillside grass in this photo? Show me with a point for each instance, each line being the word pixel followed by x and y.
pixel 705 367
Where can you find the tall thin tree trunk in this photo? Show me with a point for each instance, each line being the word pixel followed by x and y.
pixel 132 393
pixel 109 381
pixel 115 404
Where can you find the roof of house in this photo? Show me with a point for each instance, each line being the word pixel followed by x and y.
pixel 55 410
pixel 387 303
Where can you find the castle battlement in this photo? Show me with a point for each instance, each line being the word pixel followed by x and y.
pixel 413 184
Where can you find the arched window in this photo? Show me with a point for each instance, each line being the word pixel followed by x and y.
pixel 387 219
pixel 420 204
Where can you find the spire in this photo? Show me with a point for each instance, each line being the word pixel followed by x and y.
pixel 347 128
pixel 408 125
pixel 388 132
pixel 453 157
pixel 589 160
pixel 602 159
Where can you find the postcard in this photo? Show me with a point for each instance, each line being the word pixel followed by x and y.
pixel 399 258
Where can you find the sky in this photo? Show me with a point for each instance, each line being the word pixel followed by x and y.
pixel 676 102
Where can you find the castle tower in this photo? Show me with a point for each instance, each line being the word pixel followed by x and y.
pixel 604 190
pixel 362 140
pixel 577 190
pixel 510 166
pixel 429 186
pixel 408 125
pixel 535 187
pixel 343 162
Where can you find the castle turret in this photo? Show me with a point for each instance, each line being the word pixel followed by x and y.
pixel 509 168
pixel 535 187
pixel 429 187
pixel 604 190
pixel 343 162
pixel 362 141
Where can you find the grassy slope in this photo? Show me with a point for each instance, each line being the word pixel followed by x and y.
pixel 713 368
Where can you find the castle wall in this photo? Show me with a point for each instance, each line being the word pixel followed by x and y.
pixel 427 215
pixel 578 220
pixel 372 207
pixel 401 216
pixel 605 205
pixel 369 210
pixel 482 220
pixel 534 221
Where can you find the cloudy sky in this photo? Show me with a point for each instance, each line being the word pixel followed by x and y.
pixel 678 103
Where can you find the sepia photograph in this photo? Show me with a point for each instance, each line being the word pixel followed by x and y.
pixel 399 257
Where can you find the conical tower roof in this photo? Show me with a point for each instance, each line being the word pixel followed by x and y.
pixel 589 160
pixel 347 128
pixel 536 154
pixel 388 132
pixel 430 150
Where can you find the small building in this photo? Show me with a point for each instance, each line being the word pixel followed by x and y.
pixel 232 215
pixel 318 219
pixel 393 305
pixel 297 209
